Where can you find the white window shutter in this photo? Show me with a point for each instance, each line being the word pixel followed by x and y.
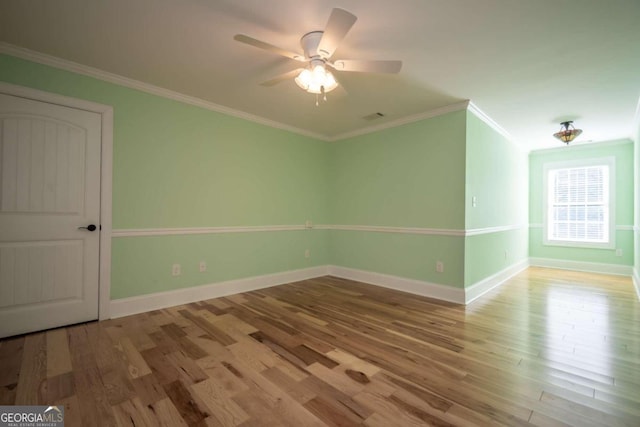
pixel 578 204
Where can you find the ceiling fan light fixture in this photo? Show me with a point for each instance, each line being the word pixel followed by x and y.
pixel 567 132
pixel 317 81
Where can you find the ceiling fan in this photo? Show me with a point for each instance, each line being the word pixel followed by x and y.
pixel 318 47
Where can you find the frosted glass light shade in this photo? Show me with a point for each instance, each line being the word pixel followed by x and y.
pixel 313 81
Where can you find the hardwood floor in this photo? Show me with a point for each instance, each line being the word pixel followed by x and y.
pixel 549 348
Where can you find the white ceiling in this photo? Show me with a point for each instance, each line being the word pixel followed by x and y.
pixel 527 64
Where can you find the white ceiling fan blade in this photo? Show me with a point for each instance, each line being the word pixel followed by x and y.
pixel 282 77
pixel 365 66
pixel 268 47
pixel 340 22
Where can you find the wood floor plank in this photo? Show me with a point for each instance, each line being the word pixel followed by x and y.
pixel 132 413
pixel 192 412
pixel 546 348
pixel 218 400
pixel 137 367
pixel 58 388
pixel 163 413
pixel 11 357
pixel 58 357
pixel 33 370
pixel 148 389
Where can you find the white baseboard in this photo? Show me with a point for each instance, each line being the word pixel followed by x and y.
pixel 418 287
pixel 143 303
pixel 591 267
pixel 480 288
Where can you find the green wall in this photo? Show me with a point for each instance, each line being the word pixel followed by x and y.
pixel 496 175
pixel 423 175
pixel 624 198
pixel 637 200
pixel 407 176
pixel 176 165
pixel 143 264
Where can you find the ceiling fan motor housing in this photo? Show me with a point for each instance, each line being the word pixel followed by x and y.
pixel 310 42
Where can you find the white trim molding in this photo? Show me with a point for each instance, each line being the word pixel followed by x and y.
pixel 400 230
pixel 106 171
pixel 498 229
pixel 74 67
pixel 425 231
pixel 624 227
pixel 475 291
pixel 144 303
pixel 139 232
pixel 473 108
pixel 404 121
pixel 636 281
pixel 591 267
pixel 580 146
pixel 412 286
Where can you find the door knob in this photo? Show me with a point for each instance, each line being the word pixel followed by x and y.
pixel 90 227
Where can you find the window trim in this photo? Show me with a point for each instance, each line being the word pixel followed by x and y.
pixel 600 161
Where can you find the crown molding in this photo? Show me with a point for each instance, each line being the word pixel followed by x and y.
pixel 74 67
pixel 476 111
pixel 404 121
pixel 586 146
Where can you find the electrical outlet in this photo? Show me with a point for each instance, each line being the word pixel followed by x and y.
pixel 175 270
pixel 618 252
pixel 202 266
pixel 439 266
pixel 307 253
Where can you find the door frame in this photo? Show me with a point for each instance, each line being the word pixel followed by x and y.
pixel 106 170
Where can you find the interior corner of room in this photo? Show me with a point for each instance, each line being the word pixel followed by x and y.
pixel 206 204
pixel 238 212
pixel 201 199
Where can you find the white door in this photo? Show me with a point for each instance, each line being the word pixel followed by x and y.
pixel 49 188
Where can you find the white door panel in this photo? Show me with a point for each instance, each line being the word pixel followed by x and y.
pixel 50 186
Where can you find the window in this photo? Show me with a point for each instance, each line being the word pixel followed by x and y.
pixel 579 203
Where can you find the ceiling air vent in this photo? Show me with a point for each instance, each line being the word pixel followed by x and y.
pixel 373 116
